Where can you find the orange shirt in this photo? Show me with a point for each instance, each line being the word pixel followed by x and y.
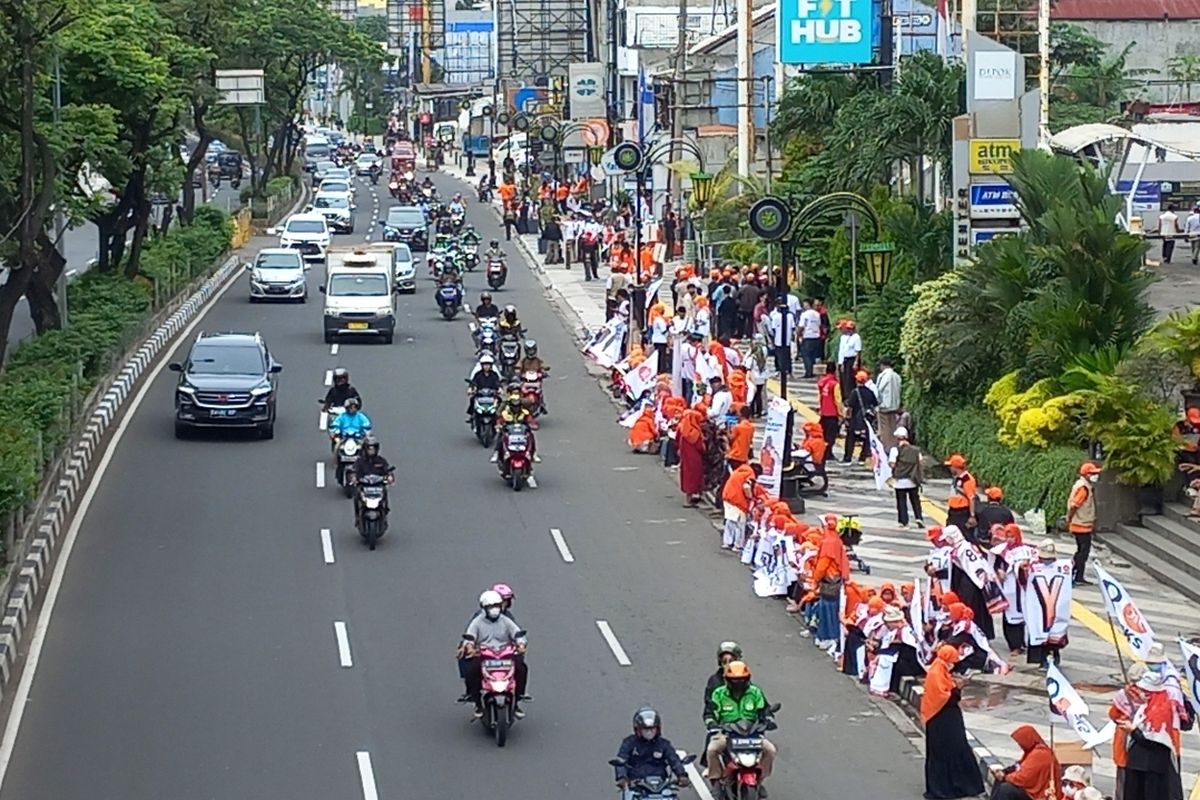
pixel 741 436
pixel 562 191
pixel 507 192
pixel 1078 498
pixel 734 491
pixel 962 490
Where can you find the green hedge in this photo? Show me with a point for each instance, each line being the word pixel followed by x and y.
pixel 47 378
pixel 1023 473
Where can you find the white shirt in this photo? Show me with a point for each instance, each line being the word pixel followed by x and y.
pixel 889 390
pixel 899 483
pixel 810 324
pixel 793 304
pixel 722 401
pixel 849 346
pixel 1168 222
pixel 658 333
pixel 1192 226
pixel 688 365
pixel 701 324
pixel 678 326
pixel 775 320
pixel 570 230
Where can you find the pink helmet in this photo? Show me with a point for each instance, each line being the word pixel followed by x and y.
pixel 505 591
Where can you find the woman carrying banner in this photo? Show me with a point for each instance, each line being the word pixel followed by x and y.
pixel 951 769
pixel 1124 707
pixel 1153 741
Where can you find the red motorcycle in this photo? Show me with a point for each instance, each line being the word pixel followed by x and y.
pixel 531 394
pixel 516 461
pixel 499 692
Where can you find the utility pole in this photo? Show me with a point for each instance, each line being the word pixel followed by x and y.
pixel 745 87
pixel 60 219
pixel 677 92
pixel 426 42
pixel 1044 70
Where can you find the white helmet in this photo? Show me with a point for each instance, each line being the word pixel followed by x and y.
pixel 490 598
pixel 487 358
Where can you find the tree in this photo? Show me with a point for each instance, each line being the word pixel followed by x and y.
pixel 374 27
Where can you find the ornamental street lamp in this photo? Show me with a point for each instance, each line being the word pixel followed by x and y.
pixel 878 256
pixel 702 187
pixel 596 154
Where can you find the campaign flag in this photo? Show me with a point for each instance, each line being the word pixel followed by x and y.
pixel 771 454
pixel 1191 671
pixel 1048 602
pixel 943 29
pixel 652 291
pixel 1124 612
pixel 879 457
pixel 605 345
pixel 641 380
pixel 1066 705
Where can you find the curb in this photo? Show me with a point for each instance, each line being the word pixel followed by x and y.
pixel 33 572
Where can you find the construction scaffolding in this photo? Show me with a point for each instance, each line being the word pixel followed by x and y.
pixel 537 39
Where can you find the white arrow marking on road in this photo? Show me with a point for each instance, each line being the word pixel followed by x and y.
pixel 561 544
pixel 367 776
pixel 699 782
pixel 613 644
pixel 322 421
pixel 320 474
pixel 327 545
pixel 343 644
pixel 333 349
pixel 328 377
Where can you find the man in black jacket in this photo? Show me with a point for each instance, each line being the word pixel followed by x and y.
pixel 340 391
pixel 993 512
pixel 726 652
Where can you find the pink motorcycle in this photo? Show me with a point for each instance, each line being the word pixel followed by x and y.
pixel 499 693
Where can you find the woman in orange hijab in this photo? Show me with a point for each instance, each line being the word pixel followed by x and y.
pixel 690 441
pixel 643 438
pixel 832 570
pixel 951 768
pixel 739 387
pixel 1037 771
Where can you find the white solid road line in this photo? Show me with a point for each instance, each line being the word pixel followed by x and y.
pixel 328 377
pixel 561 544
pixel 699 782
pixel 613 644
pixel 367 776
pixel 532 482
pixel 322 420
pixel 327 545
pixel 320 474
pixel 333 349
pixel 21 697
pixel 343 644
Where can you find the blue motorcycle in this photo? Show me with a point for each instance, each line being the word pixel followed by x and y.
pixel 449 298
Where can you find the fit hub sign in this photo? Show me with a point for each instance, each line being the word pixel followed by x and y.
pixel 825 31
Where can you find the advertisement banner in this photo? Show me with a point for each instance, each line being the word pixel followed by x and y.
pixel 995 75
pixel 825 31
pixel 585 90
pixel 992 156
pixel 1124 612
pixel 772 456
pixel 1148 196
pixel 981 235
pixel 467 15
pixel 993 201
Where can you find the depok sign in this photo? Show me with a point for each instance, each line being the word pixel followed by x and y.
pixel 995 75
pixel 825 31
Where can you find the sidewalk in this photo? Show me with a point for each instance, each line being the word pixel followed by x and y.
pixel 993 705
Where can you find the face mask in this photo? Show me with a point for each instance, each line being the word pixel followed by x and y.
pixel 1093 478
pixel 647 733
pixel 1069 791
pixel 493 612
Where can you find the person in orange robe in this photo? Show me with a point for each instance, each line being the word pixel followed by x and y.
pixel 741 438
pixel 739 387
pixel 690 441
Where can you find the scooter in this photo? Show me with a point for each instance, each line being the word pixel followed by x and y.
pixel 499 689
pixel 654 787
pixel 449 300
pixel 516 466
pixel 741 773
pixel 470 256
pixel 497 273
pixel 371 509
pixel 510 354
pixel 484 407
pixel 347 448
pixel 531 395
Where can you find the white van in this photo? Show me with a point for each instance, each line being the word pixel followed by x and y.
pixel 358 289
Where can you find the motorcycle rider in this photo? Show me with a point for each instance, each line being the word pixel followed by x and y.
pixel 507 595
pixel 484 378
pixel 340 391
pixel 486 308
pixel 647 753
pixel 736 701
pixel 428 184
pixel 726 652
pixel 458 208
pixel 493 630
pixel 514 411
pixel 531 362
pixel 352 422
pixel 470 236
pixel 370 462
pixel 509 323
pixel 494 253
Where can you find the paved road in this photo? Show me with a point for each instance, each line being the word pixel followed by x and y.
pixel 192 652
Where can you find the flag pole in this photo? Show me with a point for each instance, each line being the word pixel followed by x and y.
pixel 1120 659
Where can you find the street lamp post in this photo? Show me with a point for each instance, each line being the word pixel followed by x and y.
pixel 878 256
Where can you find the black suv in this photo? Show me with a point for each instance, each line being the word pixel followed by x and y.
pixel 228 381
pixel 406 224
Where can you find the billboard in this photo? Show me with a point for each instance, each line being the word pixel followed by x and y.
pixel 468 12
pixel 825 31
pixel 586 91
pixel 992 156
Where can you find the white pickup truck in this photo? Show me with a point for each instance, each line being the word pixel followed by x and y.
pixel 359 300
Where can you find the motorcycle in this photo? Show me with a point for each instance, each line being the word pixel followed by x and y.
pixel 485 405
pixel 653 787
pixel 484 191
pixel 449 300
pixel 346 448
pixel 499 689
pixel 457 218
pixel 471 256
pixel 371 508
pixel 375 176
pixel 394 188
pixel 516 465
pixel 496 273
pixel 741 775
pixel 510 354
pixel 531 394
pixel 486 338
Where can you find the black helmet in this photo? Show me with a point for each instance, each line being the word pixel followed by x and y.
pixel 646 720
pixel 370 441
pixel 486 297
pixel 495 242
pixel 352 402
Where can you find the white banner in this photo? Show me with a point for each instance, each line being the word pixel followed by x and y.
pixel 605 345
pixel 1066 705
pixel 640 380
pixel 1191 671
pixel 1124 612
pixel 772 456
pixel 879 453
pixel 586 90
pixel 1048 602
